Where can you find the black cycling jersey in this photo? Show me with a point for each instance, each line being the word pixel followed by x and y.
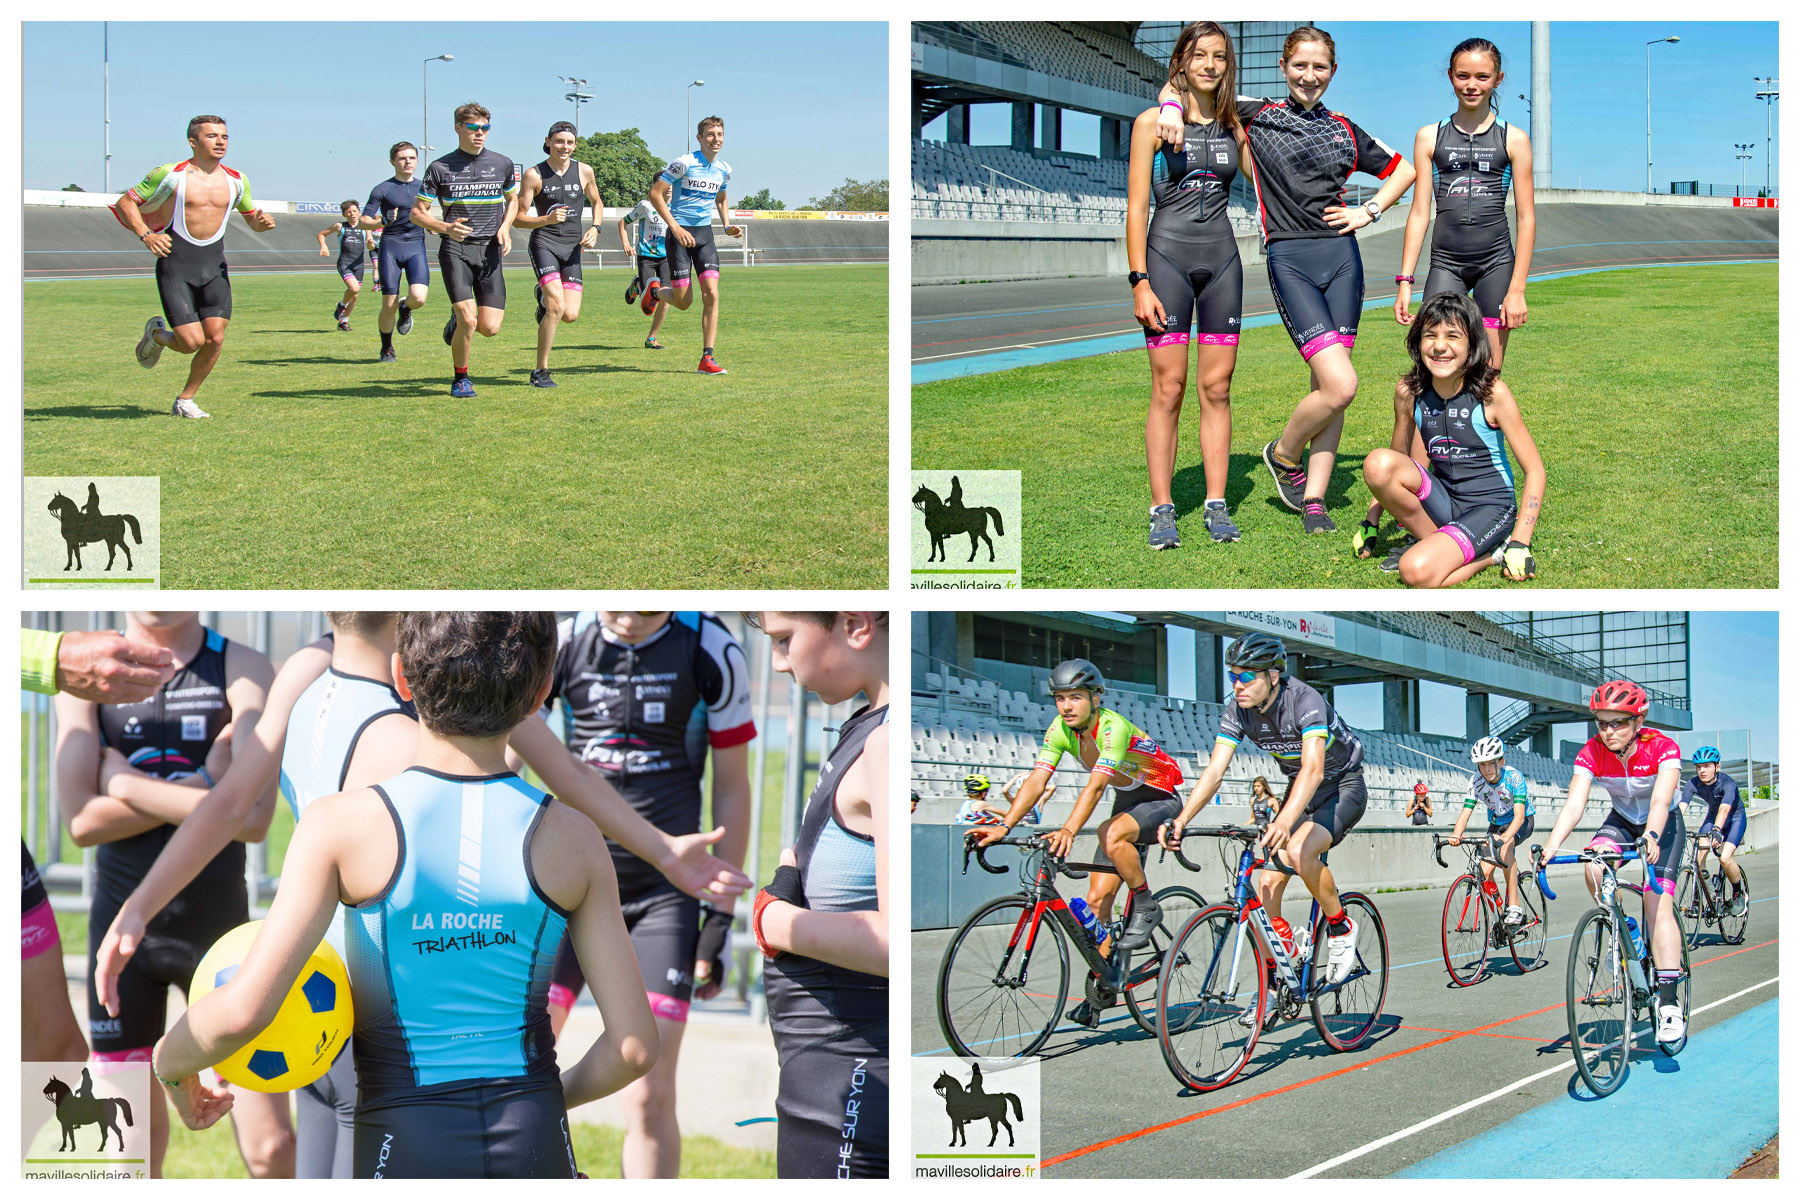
pixel 1299 712
pixel 1193 184
pixel 1724 790
pixel 352 243
pixel 554 190
pixel 1470 174
pixel 1468 455
pixel 645 714
pixel 474 187
pixel 1299 161
pixel 392 201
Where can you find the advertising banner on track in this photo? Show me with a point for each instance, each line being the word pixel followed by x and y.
pixel 1313 627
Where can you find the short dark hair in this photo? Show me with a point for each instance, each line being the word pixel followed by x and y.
pixel 197 122
pixel 705 121
pixel 397 147
pixel 363 624
pixel 471 109
pixel 476 674
pixel 824 620
pixel 356 204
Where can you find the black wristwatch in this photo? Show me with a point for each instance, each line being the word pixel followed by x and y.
pixel 1135 277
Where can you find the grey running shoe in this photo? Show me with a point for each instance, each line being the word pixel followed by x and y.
pixel 541 379
pixel 148 348
pixel 1219 523
pixel 1163 534
pixel 449 329
pixel 1391 563
pixel 187 408
pixel 403 325
pixel 388 356
pixel 1290 482
pixel 1316 520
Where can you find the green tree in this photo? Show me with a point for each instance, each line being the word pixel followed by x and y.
pixel 623 165
pixel 762 201
pixel 852 196
pixel 74 187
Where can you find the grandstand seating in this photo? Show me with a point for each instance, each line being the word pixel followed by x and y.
pixel 1070 50
pixel 963 724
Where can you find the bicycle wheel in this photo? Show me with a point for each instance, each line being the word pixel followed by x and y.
pixel 1689 900
pixel 1734 918
pixel 1465 934
pixel 1530 942
pixel 1600 1001
pixel 1211 1000
pixel 1178 904
pixel 1684 989
pixel 1346 1013
pixel 1003 982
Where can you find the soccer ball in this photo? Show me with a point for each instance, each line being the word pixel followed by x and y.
pixel 310 1030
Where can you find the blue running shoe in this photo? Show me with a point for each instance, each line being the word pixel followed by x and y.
pixel 462 389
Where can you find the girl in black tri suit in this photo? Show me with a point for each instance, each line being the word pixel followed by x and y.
pixel 1458 505
pixel 1301 153
pixel 353 244
pixel 551 201
pixel 822 921
pixel 1184 261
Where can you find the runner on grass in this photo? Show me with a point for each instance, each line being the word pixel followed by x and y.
pixel 1301 154
pixel 1184 263
pixel 478 190
pixel 402 248
pixel 1458 507
pixel 1475 156
pixel 179 211
pixel 651 252
pixel 126 776
pixel 1326 796
pixel 551 200
pixel 685 196
pixel 823 920
pixel 456 1068
pixel 353 242
pixel 1144 780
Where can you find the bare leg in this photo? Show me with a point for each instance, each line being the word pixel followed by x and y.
pixel 206 356
pixel 1162 427
pixel 652 1133
pixel 553 315
pixel 1216 364
pixel 1318 418
pixel 709 309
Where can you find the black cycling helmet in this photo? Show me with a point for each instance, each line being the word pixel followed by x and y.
pixel 1076 674
pixel 1257 652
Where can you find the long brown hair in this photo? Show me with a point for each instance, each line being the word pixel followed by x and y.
pixel 1452 308
pixel 1225 95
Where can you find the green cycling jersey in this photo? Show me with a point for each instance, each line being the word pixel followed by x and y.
pixel 1111 743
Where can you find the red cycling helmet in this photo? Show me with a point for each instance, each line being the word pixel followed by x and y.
pixel 1619 695
pixel 1420 789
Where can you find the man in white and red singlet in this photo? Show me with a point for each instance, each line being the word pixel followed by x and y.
pixel 1640 769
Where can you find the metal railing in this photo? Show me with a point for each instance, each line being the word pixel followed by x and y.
pixel 1694 187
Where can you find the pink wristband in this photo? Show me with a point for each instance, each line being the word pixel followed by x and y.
pixel 1175 104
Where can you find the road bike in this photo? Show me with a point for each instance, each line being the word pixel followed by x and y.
pixel 1705 897
pixel 1472 914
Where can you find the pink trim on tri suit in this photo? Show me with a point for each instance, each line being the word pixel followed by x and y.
pixel 1167 339
pixel 668 1008
pixel 1424 478
pixel 709 274
pixel 551 277
pixel 1218 339
pixel 139 1055
pixel 38 934
pixel 571 285
pixel 679 284
pixel 561 996
pixel 349 279
pixel 1462 540
pixel 1491 322
pixel 1330 337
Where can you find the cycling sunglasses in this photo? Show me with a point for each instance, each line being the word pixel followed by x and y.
pixel 472 127
pixel 1618 724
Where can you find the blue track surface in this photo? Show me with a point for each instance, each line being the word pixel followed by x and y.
pixel 1697 1116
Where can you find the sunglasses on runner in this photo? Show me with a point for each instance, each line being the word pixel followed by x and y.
pixel 474 128
pixel 1611 725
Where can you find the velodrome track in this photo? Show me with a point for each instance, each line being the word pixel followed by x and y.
pixel 974 328
pixel 1473 1082
pixel 88 243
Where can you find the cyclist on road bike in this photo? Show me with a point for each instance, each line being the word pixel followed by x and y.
pixel 1511 817
pixel 1639 768
pixel 1122 756
pixel 1326 796
pixel 1725 818
pixel 978 809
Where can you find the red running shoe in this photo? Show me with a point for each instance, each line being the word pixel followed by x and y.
pixel 709 367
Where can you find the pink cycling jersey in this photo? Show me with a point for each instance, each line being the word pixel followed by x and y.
pixel 1631 782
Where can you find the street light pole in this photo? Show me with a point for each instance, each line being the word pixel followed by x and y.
pixel 106 105
pixel 425 100
pixel 577 97
pixel 1648 186
pixel 1768 90
pixel 1744 157
pixel 690 106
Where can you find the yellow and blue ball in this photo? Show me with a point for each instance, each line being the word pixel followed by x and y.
pixel 309 1031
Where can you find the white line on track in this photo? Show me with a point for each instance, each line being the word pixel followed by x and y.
pixel 1561 1068
pixel 1030 345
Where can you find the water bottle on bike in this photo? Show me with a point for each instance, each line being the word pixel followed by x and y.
pixel 1090 920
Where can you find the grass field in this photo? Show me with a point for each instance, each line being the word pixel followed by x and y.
pixel 322 468
pixel 1651 395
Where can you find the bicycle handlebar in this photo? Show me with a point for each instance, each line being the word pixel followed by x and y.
pixel 1589 855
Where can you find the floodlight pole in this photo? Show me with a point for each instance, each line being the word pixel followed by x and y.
pixel 1768 90
pixel 1648 187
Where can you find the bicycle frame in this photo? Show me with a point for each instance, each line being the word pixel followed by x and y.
pixel 1607 897
pixel 1298 978
pixel 1046 901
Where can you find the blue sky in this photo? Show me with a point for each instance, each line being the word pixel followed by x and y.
pixel 1391 82
pixel 313 107
pixel 1733 661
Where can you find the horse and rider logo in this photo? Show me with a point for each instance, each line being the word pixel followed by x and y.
pixel 79 1106
pixel 947 518
pixel 86 525
pixel 964 1105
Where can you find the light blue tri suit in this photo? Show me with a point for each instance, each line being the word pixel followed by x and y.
pixel 450 968
pixel 695 185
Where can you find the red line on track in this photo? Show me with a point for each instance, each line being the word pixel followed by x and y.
pixel 1358 1066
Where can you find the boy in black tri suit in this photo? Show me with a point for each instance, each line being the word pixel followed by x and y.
pixel 822 921
pixel 478 191
pixel 126 776
pixel 550 204
pixel 179 211
pixel 353 244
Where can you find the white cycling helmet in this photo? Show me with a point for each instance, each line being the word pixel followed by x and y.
pixel 1487 750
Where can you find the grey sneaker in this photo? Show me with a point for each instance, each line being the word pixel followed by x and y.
pixel 1219 523
pixel 1290 482
pixel 1391 563
pixel 1316 519
pixel 187 408
pixel 148 348
pixel 1163 534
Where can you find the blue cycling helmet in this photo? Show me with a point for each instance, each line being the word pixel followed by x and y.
pixel 1706 754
